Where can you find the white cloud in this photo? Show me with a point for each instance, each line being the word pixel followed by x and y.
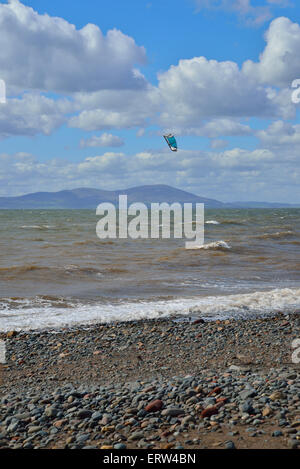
pixel 40 52
pixel 112 109
pixel 98 119
pixel 199 89
pixel 238 158
pixel 221 127
pixel 195 97
pixel 31 114
pixel 200 96
pixel 279 63
pixel 282 135
pixel 104 140
pixel 109 163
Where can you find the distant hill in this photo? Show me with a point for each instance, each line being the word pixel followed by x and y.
pixel 90 198
pixel 85 198
pixel 261 205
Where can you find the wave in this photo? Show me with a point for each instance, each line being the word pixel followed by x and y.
pixel 250 304
pixel 52 272
pixel 37 227
pixel 214 245
pixel 277 235
pixel 16 270
pixel 233 222
pixel 212 222
pixel 47 313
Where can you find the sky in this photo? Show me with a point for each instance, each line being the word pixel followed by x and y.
pixel 91 88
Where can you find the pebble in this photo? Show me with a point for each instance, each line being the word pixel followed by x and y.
pixel 277 433
pixel 154 406
pixel 172 412
pixel 163 405
pixel 229 445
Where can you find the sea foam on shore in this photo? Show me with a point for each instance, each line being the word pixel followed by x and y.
pixel 43 313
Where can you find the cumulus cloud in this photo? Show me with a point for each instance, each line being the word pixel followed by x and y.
pixel 282 135
pixel 108 163
pixel 32 114
pixel 98 119
pixel 198 94
pixel 40 52
pixel 114 109
pixel 279 63
pixel 198 89
pixel 104 140
pixel 239 158
pixel 195 97
pixel 220 127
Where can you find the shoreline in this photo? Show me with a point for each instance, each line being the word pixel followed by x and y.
pixel 244 305
pixel 117 369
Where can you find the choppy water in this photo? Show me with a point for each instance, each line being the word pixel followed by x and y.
pixel 54 271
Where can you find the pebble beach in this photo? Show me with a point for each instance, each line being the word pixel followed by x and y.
pixel 149 230
pixel 154 384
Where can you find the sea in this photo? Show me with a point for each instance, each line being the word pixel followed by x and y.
pixel 55 272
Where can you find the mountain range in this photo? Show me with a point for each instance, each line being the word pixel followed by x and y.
pixel 85 198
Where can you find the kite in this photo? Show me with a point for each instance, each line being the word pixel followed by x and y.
pixel 171 141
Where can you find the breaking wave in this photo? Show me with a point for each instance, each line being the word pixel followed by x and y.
pixel 214 245
pixel 37 227
pixel 51 313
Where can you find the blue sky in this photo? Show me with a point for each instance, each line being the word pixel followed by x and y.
pixel 92 86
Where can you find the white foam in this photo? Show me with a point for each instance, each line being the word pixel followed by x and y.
pixel 213 245
pixel 37 227
pixel 212 222
pixel 31 227
pixel 45 316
